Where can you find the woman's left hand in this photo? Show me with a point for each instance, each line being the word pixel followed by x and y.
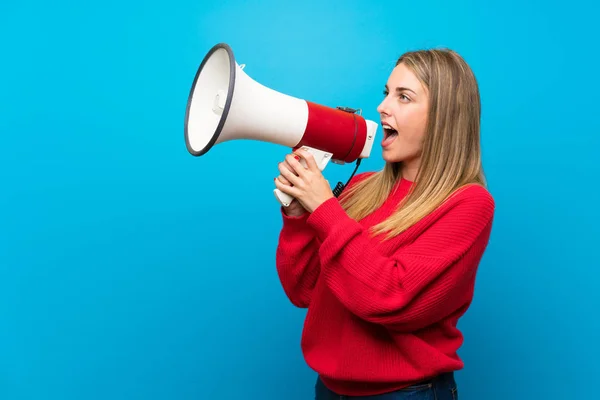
pixel 308 185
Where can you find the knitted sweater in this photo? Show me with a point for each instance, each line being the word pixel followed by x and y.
pixel 382 315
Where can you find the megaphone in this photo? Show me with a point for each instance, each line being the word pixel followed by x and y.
pixel 225 104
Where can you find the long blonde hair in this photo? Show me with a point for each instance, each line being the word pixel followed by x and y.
pixel 451 156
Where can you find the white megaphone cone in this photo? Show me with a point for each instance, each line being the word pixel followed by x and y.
pixel 226 104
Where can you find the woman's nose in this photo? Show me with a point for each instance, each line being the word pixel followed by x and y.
pixel 382 108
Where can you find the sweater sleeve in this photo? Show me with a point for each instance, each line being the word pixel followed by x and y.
pixel 417 284
pixel 297 255
pixel 297 259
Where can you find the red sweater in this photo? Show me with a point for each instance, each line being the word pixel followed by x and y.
pixel 383 315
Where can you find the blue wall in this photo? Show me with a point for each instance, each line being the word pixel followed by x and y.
pixel 131 270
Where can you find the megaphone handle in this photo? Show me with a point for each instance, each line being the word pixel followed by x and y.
pixel 284 199
pixel 321 158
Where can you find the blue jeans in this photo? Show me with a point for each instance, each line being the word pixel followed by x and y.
pixel 442 387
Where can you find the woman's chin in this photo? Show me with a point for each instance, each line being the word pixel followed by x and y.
pixel 390 157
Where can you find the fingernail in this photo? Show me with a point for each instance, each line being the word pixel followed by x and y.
pixel 296 157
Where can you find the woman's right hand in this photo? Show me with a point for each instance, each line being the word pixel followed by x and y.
pixel 295 209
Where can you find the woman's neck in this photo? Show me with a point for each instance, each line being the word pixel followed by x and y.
pixel 409 171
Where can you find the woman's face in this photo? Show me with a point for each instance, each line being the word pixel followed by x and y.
pixel 403 114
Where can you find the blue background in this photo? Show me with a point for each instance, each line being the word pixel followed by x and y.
pixel 131 270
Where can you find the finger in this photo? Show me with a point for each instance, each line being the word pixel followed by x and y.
pixel 293 160
pixel 287 165
pixel 287 189
pixel 283 180
pixel 281 177
pixel 287 162
pixel 292 178
pixel 311 163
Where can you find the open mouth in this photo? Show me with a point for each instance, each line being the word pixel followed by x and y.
pixel 389 135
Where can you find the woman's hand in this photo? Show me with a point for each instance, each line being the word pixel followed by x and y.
pixel 295 209
pixel 307 185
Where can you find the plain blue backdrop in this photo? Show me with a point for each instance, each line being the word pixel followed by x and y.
pixel 131 270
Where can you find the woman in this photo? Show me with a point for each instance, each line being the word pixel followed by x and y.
pixel 387 269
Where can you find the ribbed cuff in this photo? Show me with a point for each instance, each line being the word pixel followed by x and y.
pixel 293 220
pixel 325 217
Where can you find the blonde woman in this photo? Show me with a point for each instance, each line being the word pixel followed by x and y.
pixel 388 268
